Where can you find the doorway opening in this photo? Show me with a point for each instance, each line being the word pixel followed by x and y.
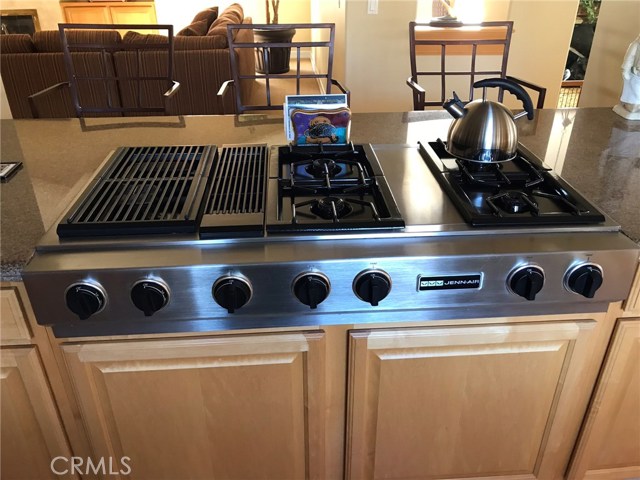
pixel 19 21
pixel 578 55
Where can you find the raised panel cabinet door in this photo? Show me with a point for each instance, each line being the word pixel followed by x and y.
pixel 460 402
pixel 13 322
pixel 135 14
pixel 609 444
pixel 632 304
pixel 87 14
pixel 228 407
pixel 32 435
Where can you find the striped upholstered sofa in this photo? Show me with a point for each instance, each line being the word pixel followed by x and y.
pixel 201 64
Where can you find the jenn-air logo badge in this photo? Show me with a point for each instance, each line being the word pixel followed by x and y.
pixel 449 282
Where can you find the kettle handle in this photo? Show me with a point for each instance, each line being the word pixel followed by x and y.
pixel 512 87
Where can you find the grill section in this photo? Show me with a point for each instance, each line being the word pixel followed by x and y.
pixel 238 181
pixel 235 202
pixel 143 190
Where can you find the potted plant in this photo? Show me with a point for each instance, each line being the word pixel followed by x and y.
pixel 270 5
pixel 277 57
pixel 588 11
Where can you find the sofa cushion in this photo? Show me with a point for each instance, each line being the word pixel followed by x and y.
pixel 233 14
pixel 144 39
pixel 196 29
pixel 148 93
pixel 196 43
pixel 16 43
pixel 24 75
pixel 48 41
pixel 179 43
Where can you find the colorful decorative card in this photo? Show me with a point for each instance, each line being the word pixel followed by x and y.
pixel 329 101
pixel 321 126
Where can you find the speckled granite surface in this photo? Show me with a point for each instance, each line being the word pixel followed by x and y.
pixel 598 152
pixel 594 149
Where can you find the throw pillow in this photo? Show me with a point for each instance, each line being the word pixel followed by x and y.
pixel 210 14
pixel 233 14
pixel 196 29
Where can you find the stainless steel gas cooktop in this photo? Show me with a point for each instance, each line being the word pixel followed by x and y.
pixel 201 238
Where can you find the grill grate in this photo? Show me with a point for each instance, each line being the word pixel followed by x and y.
pixel 235 205
pixel 143 190
pixel 238 181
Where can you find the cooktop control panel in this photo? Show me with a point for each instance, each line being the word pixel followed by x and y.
pixel 320 290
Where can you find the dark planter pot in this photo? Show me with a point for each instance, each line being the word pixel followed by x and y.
pixel 277 57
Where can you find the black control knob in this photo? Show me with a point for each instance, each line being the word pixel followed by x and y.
pixel 584 279
pixel 372 286
pixel 149 296
pixel 311 288
pixel 526 281
pixel 85 299
pixel 231 292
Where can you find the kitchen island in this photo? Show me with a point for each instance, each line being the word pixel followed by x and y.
pixel 593 149
pixel 509 392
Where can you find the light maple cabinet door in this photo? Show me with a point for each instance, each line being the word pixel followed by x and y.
pixel 14 327
pixel 464 402
pixel 609 445
pixel 135 14
pixel 86 14
pixel 632 304
pixel 228 407
pixel 31 431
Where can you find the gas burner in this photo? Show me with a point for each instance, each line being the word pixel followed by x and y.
pixel 321 167
pixel 331 208
pixel 522 191
pixel 486 174
pixel 513 202
pixel 334 188
pixel 475 167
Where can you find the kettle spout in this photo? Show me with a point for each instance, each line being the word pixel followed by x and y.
pixel 455 107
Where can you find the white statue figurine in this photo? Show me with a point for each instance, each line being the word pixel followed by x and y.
pixel 629 106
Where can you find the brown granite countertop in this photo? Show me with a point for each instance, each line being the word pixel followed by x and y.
pixel 595 150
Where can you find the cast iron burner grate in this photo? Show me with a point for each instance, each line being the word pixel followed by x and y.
pixel 493 174
pixel 330 189
pixel 143 190
pixel 323 167
pixel 512 202
pixel 339 163
pixel 518 192
pixel 356 182
pixel 330 208
pixel 334 208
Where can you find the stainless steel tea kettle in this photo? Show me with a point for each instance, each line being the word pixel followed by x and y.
pixel 485 131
